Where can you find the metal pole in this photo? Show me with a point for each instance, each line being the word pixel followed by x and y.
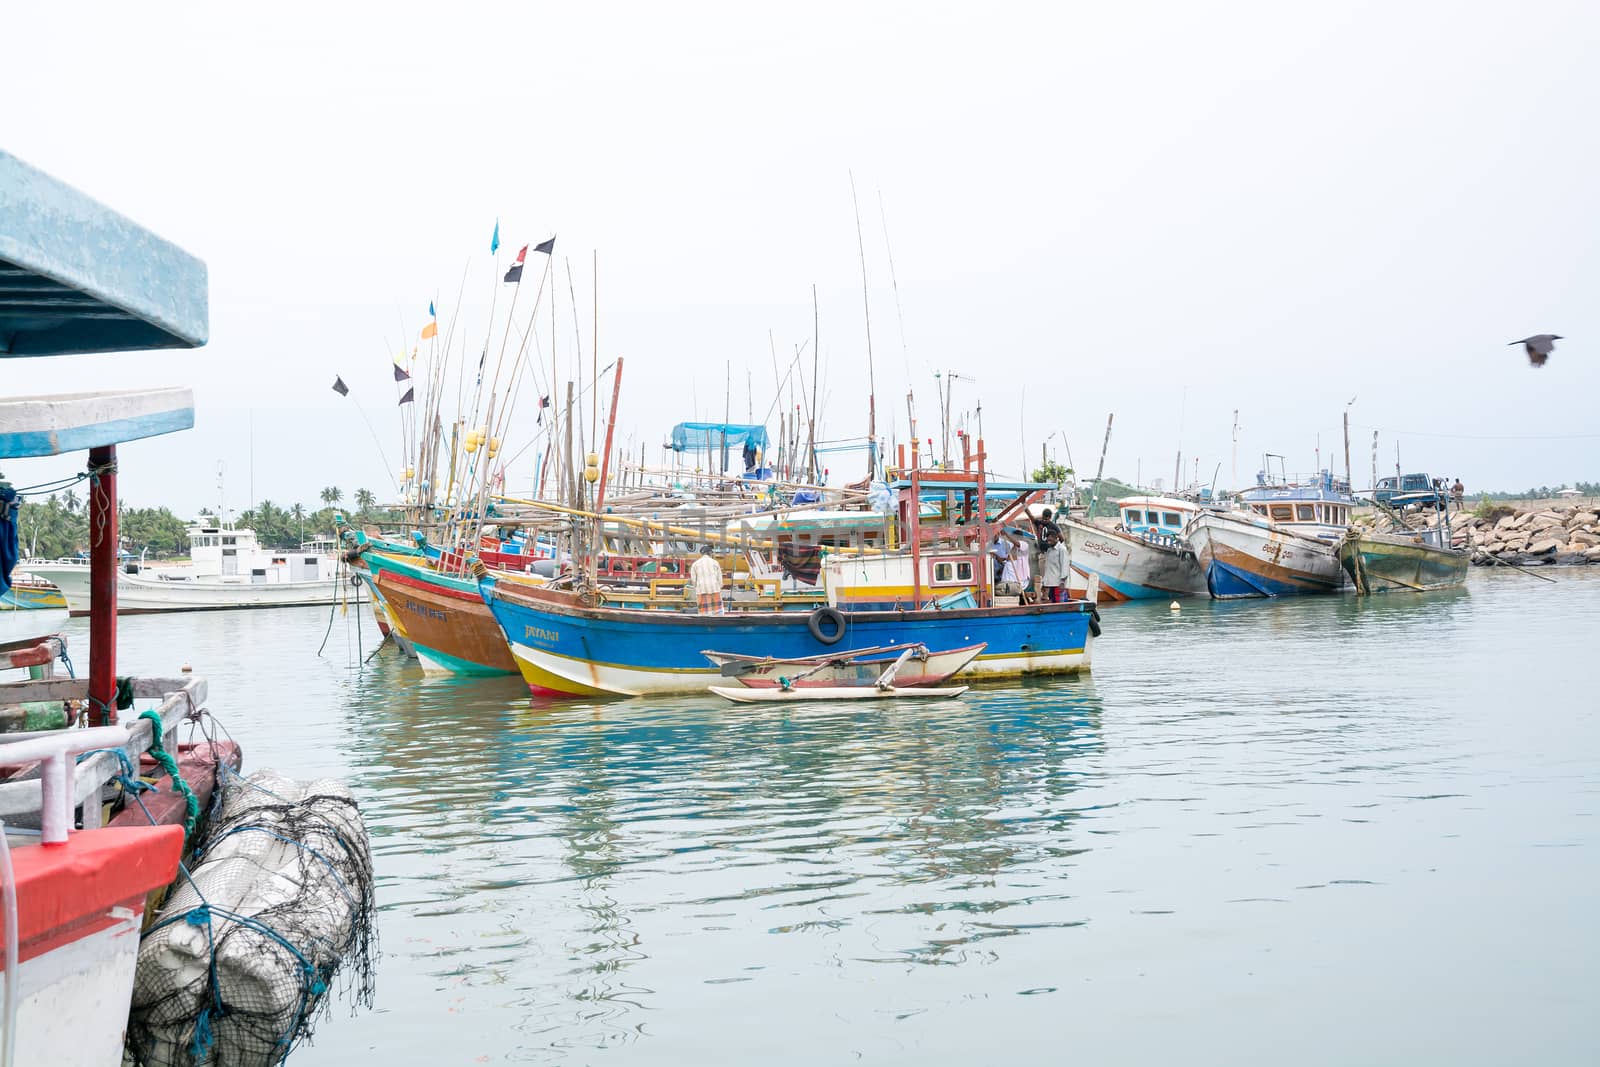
pixel 103 542
pixel 611 425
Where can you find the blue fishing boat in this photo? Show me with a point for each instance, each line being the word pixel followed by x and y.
pixel 1282 541
pixel 936 591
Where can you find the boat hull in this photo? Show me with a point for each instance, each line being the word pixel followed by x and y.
pixel 1378 563
pixel 1129 568
pixel 1244 559
pixel 442 617
pixel 139 594
pixel 564 648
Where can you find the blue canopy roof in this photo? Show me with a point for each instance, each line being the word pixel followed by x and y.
pixel 76 276
pixel 709 436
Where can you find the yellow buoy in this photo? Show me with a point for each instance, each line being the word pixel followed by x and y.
pixel 1175 606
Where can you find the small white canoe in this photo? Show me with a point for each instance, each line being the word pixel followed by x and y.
pixel 741 695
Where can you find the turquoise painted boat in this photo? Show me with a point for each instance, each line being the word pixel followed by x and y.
pixel 1380 562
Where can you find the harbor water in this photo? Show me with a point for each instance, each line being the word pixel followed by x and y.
pixel 1325 830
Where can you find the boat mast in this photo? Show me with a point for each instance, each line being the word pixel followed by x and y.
pixel 866 306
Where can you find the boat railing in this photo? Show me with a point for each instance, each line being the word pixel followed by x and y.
pixel 58 784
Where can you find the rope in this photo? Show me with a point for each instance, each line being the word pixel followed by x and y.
pixel 159 753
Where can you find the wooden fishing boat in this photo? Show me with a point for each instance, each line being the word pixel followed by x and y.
pixel 935 591
pixel 857 667
pixel 1142 558
pixel 1404 557
pixel 849 692
pixel 441 616
pixel 1285 544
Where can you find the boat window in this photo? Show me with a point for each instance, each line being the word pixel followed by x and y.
pixel 1307 513
pixel 1282 513
pixel 310 559
pixel 943 572
pixel 1260 509
pixel 1170 518
pixel 229 540
pixel 1133 517
pixel 964 571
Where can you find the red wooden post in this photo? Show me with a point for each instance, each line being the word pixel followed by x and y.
pixel 611 425
pixel 104 542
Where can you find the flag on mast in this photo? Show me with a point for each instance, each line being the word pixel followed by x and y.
pixel 547 247
pixel 411 394
pixel 515 273
pixel 494 242
pixel 400 373
pixel 339 386
pixel 432 329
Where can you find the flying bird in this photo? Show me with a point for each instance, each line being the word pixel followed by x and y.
pixel 1539 346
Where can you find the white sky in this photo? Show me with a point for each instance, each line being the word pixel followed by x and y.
pixel 1168 211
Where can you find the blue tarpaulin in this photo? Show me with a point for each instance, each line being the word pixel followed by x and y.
pixel 715 436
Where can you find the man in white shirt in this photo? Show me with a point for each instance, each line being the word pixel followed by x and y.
pixel 1053 573
pixel 706 576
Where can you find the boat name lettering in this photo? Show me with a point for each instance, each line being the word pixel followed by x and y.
pixel 539 634
pixel 425 611
pixel 1101 547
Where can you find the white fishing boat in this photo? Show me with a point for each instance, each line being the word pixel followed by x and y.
pixel 1141 556
pixel 919 667
pixel 1284 542
pixel 228 569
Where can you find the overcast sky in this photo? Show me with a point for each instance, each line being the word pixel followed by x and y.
pixel 1166 211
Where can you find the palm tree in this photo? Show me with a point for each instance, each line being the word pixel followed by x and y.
pixel 332 495
pixel 70 501
pixel 299 513
pixel 365 499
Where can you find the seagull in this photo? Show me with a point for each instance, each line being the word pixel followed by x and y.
pixel 1539 346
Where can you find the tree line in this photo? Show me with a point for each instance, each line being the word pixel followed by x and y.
pixel 58 526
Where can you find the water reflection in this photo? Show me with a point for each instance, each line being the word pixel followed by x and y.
pixel 635 822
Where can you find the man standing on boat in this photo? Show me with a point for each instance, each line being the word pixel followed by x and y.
pixel 1053 573
pixel 1000 552
pixel 706 574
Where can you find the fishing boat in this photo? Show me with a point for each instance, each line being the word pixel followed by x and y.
pixel 1283 541
pixel 1404 556
pixel 1143 556
pixel 857 667
pixel 228 569
pixel 934 591
pixel 440 615
pixel 30 608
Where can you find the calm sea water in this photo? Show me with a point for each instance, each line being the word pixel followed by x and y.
pixel 1324 831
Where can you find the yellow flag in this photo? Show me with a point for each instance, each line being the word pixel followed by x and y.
pixel 430 330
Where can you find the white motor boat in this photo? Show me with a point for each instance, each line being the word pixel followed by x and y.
pixel 228 569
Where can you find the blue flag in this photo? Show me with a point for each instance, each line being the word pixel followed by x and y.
pixel 432 314
pixel 494 242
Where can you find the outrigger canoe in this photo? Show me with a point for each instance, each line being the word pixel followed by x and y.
pixel 857 668
pixel 849 692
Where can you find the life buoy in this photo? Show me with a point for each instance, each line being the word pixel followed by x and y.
pixel 814 623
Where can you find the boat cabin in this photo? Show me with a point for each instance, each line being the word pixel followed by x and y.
pixel 1317 505
pixel 1161 516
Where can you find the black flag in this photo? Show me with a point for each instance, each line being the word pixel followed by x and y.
pixel 515 273
pixel 339 386
pixel 400 373
pixel 547 247
pixel 411 394
pixel 544 402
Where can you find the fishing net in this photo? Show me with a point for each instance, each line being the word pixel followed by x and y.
pixel 237 965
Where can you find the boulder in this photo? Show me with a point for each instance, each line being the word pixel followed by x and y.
pixel 1582 518
pixel 1584 537
pixel 1543 546
pixel 1543 522
pixel 1568 559
pixel 1592 554
pixel 1507 522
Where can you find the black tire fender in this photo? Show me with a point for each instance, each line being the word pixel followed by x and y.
pixel 834 617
